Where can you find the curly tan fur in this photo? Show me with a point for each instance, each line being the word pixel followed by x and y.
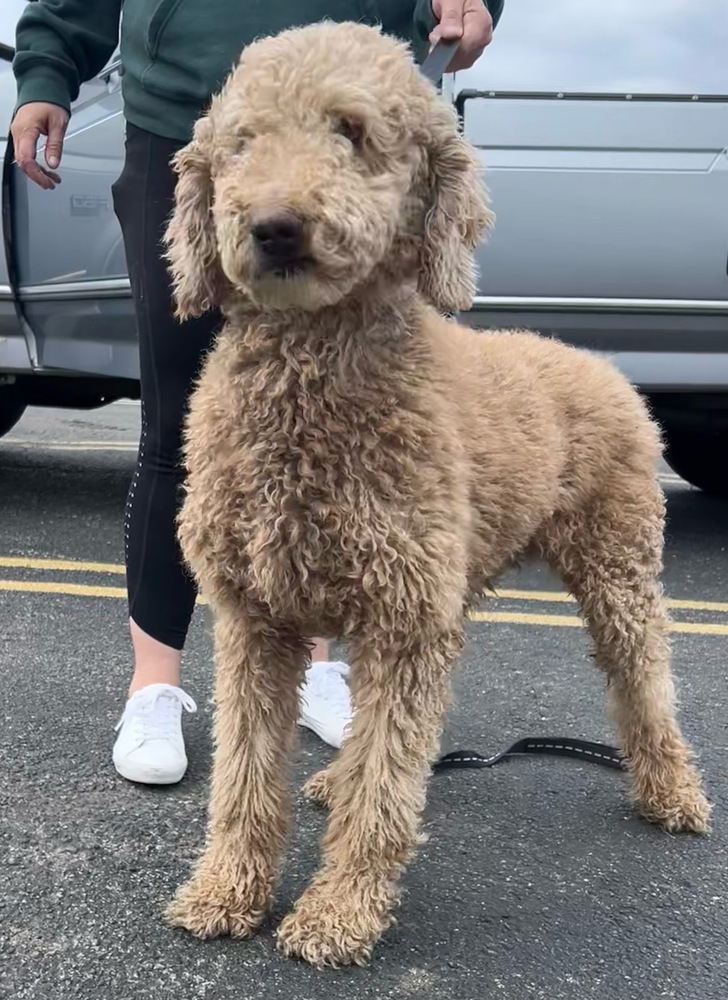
pixel 361 467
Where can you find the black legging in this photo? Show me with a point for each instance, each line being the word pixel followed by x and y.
pixel 161 593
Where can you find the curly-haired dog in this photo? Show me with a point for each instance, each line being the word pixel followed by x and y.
pixel 361 467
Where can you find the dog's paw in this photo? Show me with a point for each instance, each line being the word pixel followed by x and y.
pixel 679 806
pixel 330 928
pixel 681 814
pixel 325 942
pixel 318 788
pixel 211 905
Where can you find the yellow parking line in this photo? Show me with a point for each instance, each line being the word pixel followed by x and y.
pixel 51 587
pixel 61 565
pixel 502 617
pixel 559 597
pixel 41 445
pixel 699 628
pixel 569 621
pixel 67 589
pixel 53 443
pixel 538 596
pixel 524 618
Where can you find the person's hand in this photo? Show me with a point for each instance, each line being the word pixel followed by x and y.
pixel 30 123
pixel 468 20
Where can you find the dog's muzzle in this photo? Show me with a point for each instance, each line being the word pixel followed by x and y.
pixel 280 243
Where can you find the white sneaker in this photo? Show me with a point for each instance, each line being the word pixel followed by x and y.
pixel 326 702
pixel 150 748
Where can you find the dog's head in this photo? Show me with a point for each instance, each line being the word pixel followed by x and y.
pixel 326 161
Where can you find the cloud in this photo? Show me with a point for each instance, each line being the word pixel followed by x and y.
pixel 591 45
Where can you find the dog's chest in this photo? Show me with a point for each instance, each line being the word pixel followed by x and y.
pixel 309 478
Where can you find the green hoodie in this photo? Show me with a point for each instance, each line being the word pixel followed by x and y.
pixel 175 53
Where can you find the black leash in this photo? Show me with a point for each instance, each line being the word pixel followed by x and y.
pixel 439 59
pixel 593 753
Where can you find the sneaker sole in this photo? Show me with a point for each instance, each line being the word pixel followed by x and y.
pixel 329 736
pixel 148 776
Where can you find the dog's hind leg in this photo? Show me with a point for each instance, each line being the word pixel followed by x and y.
pixel 610 558
pixel 376 789
pixel 258 669
pixel 318 788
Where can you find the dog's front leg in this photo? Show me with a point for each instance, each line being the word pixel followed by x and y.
pixel 377 794
pixel 258 669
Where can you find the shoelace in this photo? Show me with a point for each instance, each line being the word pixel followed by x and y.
pixel 154 711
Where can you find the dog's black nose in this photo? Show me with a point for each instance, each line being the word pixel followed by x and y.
pixel 279 238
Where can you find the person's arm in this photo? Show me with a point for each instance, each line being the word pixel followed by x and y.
pixel 472 21
pixel 60 44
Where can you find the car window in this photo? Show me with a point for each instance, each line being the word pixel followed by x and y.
pixel 620 46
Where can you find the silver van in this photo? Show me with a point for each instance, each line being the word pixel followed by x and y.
pixel 604 137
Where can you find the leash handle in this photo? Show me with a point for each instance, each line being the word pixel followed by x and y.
pixel 593 753
pixel 439 59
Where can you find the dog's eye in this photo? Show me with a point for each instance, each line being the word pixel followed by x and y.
pixel 242 139
pixel 350 129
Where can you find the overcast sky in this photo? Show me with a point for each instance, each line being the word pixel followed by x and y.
pixel 621 45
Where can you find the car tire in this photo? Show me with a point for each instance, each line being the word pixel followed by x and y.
pixel 12 408
pixel 700 456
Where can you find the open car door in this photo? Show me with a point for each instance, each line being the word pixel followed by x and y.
pixel 64 248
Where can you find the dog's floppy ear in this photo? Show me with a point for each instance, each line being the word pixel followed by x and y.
pixel 192 253
pixel 456 221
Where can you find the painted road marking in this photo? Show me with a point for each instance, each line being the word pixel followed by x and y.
pixel 539 596
pixel 54 587
pixel 571 621
pixel 559 597
pixel 121 446
pixel 61 565
pixel 505 617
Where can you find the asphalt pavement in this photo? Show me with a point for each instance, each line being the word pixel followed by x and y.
pixel 538 881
